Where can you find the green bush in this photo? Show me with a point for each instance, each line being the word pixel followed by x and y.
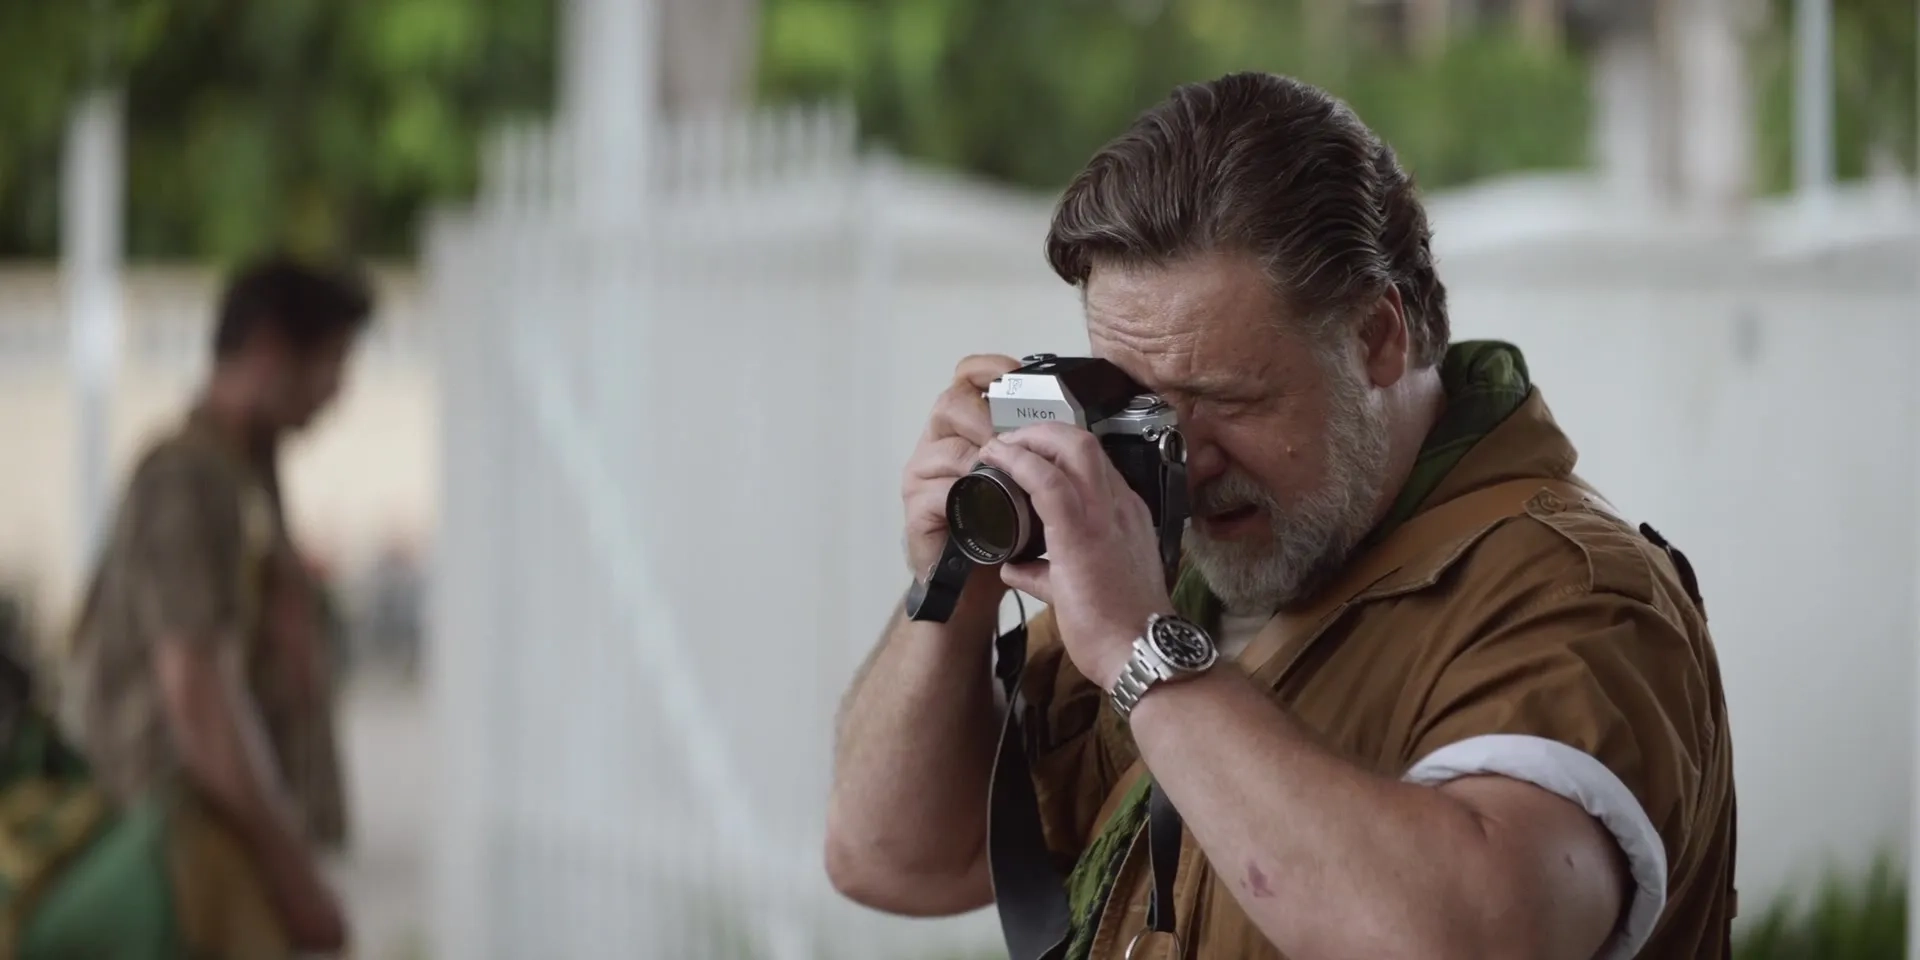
pixel 1848 919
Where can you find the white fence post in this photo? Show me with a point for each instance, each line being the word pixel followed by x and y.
pixel 587 340
pixel 91 213
pixel 610 96
pixel 1813 103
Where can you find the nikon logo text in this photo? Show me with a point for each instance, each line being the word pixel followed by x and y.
pixel 1033 413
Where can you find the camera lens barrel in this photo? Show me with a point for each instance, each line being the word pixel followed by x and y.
pixel 991 520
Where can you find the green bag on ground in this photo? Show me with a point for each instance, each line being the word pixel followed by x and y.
pixel 77 880
pixel 112 900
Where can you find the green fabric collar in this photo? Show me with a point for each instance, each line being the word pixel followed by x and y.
pixel 1485 382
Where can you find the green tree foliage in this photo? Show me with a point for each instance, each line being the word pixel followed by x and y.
pixel 1846 918
pixel 1874 46
pixel 1024 91
pixel 313 124
pixel 333 123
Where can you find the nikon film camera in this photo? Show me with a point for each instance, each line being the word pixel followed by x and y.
pixel 989 519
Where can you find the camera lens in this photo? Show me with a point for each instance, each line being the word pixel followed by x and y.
pixel 989 517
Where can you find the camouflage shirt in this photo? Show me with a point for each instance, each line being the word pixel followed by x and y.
pixel 199 553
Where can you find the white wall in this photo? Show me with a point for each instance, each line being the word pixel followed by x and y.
pixel 1760 414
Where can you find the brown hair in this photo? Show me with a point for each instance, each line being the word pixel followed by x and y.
pixel 1273 167
pixel 306 303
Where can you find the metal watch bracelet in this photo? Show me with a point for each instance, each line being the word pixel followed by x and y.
pixel 1151 664
pixel 1142 672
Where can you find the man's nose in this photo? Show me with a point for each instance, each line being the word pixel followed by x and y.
pixel 1205 460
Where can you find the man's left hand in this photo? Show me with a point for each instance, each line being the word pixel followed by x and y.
pixel 1102 576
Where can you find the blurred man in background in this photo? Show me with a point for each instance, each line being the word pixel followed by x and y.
pixel 197 680
pixel 1418 692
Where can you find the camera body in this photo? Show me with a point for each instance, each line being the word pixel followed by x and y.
pixel 989 515
pixel 990 520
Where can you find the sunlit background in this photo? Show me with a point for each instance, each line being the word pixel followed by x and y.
pixel 610 507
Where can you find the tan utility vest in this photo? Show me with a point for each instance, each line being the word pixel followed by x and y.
pixel 1514 603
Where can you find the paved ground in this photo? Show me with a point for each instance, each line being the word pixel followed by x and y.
pixel 390 762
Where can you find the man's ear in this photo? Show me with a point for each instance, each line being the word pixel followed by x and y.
pixel 1387 342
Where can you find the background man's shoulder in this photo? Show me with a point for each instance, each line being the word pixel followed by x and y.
pixel 181 465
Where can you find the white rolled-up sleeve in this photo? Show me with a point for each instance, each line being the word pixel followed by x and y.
pixel 1579 778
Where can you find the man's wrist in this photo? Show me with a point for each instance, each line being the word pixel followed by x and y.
pixel 1166 650
pixel 982 590
pixel 1108 673
pixel 1168 700
pixel 1118 642
pixel 975 616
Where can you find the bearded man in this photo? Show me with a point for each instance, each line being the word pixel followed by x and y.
pixel 1453 707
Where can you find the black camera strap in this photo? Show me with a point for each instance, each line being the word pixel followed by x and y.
pixel 1163 857
pixel 1029 891
pixel 1172 517
pixel 934 597
pixel 1163 821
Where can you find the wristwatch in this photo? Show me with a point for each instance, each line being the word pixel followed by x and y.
pixel 1172 648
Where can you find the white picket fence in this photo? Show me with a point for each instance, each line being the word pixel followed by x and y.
pixel 670 528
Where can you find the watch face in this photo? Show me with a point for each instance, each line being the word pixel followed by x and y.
pixel 1182 644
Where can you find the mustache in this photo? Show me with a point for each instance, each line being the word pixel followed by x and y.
pixel 1230 492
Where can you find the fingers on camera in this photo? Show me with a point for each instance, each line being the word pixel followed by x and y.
pixel 1076 451
pixel 957 456
pixel 942 460
pixel 981 369
pixel 961 413
pixel 926 502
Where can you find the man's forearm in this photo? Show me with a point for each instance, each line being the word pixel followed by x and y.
pixel 225 754
pixel 907 819
pixel 1327 859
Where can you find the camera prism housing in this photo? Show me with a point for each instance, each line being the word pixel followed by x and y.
pixel 991 521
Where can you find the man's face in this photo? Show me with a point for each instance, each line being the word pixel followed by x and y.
pixel 299 384
pixel 1287 444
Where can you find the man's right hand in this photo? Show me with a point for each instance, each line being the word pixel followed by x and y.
pixel 310 911
pixel 959 426
pixel 315 918
pixel 240 890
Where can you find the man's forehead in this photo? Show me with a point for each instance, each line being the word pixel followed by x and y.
pixel 1198 325
pixel 1209 278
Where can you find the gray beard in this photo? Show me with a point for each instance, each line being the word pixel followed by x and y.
pixel 1312 537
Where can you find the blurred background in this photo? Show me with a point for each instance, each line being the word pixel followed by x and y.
pixel 609 510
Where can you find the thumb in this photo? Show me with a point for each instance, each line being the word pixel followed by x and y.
pixel 1032 578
